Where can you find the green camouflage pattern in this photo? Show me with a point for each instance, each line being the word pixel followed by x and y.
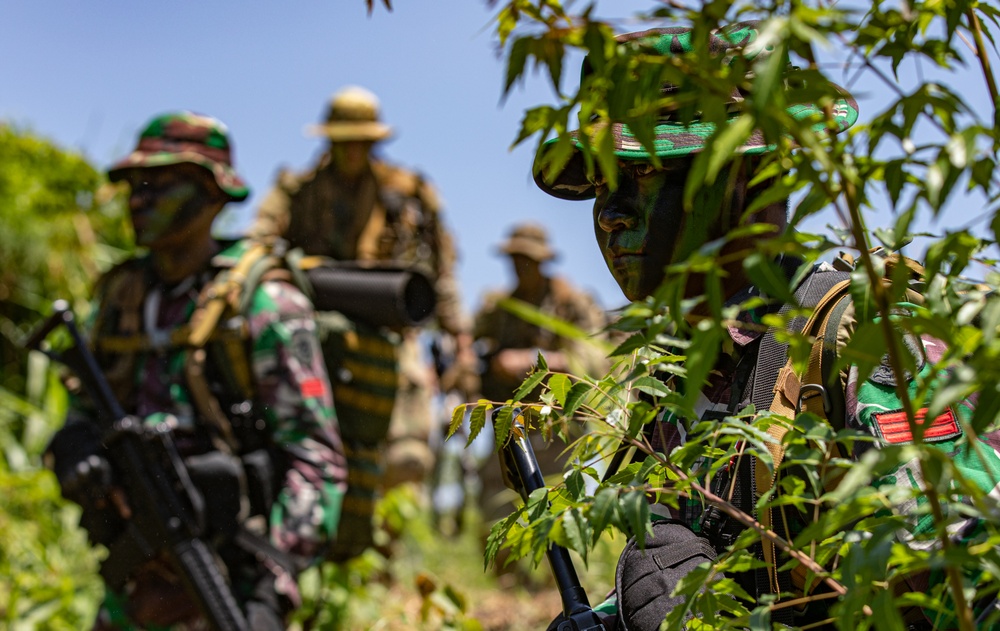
pixel 674 138
pixel 292 395
pixel 179 137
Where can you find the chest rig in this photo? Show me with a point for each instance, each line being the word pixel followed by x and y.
pixel 212 343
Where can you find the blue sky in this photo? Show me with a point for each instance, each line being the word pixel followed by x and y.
pixel 89 75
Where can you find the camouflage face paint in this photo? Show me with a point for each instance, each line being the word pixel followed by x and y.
pixel 164 199
pixel 641 227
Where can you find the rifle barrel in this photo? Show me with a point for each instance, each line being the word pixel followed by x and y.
pixel 579 614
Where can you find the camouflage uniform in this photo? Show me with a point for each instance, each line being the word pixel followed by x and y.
pixel 871 407
pixel 387 213
pixel 748 372
pixel 139 335
pixel 496 329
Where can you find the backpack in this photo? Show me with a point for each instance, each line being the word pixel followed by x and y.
pixel 780 389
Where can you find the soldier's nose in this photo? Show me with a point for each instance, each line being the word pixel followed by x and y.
pixel 616 214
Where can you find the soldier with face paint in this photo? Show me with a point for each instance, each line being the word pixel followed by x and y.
pixel 642 227
pixel 251 410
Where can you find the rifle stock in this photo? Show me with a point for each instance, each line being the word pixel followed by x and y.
pixel 163 500
pixel 526 478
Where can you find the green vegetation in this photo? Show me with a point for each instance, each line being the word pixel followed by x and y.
pixel 918 151
pixel 60 228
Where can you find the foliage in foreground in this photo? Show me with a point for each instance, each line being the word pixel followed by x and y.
pixel 917 153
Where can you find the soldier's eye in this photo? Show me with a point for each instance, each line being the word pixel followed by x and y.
pixel 636 170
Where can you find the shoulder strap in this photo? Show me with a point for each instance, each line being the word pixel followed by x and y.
pixel 230 292
pixel 784 394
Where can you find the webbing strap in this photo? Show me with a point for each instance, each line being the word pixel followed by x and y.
pixel 225 290
pixel 776 387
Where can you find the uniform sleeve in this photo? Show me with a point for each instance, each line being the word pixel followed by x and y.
pixel 294 392
pixel 874 408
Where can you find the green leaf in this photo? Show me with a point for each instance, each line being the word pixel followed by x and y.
pixel 768 277
pixel 575 485
pixel 503 420
pixel 478 419
pixel 529 384
pixel 516 61
pixel 457 416
pixel 635 514
pixel 728 140
pixel 559 384
pixel 651 386
pixel 541 363
pixel 577 531
pixel 602 511
pixel 576 395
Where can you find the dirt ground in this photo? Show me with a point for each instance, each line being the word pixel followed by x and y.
pixel 513 610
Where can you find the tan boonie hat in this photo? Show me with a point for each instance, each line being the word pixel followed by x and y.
pixel 531 240
pixel 353 114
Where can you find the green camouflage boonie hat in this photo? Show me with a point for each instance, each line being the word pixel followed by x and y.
pixel 673 138
pixel 180 137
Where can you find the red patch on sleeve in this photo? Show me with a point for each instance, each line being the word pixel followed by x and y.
pixel 895 430
pixel 313 388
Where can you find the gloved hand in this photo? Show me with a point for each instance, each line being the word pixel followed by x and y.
pixel 86 477
pixel 88 482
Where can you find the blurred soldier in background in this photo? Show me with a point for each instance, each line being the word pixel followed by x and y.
pixel 509 346
pixel 249 407
pixel 353 206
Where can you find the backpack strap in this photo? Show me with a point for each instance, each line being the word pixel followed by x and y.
pixel 227 290
pixel 229 293
pixel 777 387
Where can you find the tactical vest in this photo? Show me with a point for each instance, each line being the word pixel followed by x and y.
pixel 776 386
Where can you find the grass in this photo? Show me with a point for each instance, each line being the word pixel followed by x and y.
pixel 425 579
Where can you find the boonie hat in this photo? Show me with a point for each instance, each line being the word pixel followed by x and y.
pixel 179 137
pixel 531 240
pixel 674 138
pixel 353 114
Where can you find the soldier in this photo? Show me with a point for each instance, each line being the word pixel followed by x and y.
pixel 642 228
pixel 277 429
pixel 353 206
pixel 509 346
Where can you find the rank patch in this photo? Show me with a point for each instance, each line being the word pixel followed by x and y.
pixel 896 430
pixel 313 388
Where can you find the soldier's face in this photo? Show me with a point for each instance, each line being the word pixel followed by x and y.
pixel 642 227
pixel 165 201
pixel 351 156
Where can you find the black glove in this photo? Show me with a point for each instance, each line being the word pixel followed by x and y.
pixel 85 477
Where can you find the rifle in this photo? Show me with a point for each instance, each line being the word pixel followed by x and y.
pixel 525 477
pixel 167 509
